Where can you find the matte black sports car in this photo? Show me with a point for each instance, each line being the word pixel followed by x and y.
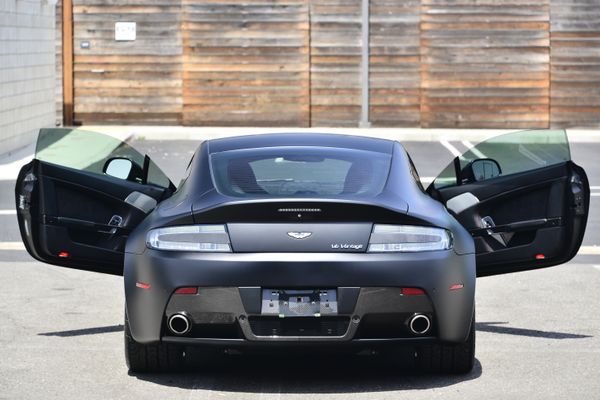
pixel 301 239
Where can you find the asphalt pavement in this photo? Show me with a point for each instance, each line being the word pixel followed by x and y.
pixel 538 333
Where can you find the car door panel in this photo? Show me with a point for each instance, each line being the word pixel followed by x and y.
pixel 522 221
pixel 514 198
pixel 533 215
pixel 78 219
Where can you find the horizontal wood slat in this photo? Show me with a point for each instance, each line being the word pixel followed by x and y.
pixel 394 73
pixel 433 63
pixel 127 82
pixel 335 52
pixel 245 63
pixel 575 63
pixel 484 63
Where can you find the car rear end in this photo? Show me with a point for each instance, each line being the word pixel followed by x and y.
pixel 270 257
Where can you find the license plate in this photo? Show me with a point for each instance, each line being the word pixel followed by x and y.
pixel 299 303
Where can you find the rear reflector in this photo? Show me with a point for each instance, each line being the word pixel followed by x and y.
pixel 411 291
pixel 142 285
pixel 64 254
pixel 540 256
pixel 456 286
pixel 187 290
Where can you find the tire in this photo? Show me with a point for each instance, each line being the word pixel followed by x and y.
pixel 448 358
pixel 159 357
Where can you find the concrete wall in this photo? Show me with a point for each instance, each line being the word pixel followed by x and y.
pixel 27 70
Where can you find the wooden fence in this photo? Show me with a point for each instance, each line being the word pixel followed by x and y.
pixel 485 64
pixel 432 63
pixel 127 81
pixel 245 63
pixel 394 78
pixel 575 62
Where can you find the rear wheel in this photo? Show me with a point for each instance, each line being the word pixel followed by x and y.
pixel 159 357
pixel 448 357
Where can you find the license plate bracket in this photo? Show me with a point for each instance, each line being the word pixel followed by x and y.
pixel 299 303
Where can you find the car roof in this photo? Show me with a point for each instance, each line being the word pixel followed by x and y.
pixel 300 139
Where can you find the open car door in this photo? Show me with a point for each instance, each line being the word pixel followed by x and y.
pixel 521 197
pixel 81 196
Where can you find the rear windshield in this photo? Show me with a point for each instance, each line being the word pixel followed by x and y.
pixel 300 172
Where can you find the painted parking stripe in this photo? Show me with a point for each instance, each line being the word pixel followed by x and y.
pixel 8 212
pixel 589 250
pixel 472 148
pixel 12 246
pixel 453 150
pixel 595 194
pixel 583 250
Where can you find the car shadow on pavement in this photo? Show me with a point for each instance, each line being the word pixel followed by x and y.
pixel 85 331
pixel 494 327
pixel 315 371
pixel 306 374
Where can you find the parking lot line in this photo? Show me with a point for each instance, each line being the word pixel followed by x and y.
pixel 583 250
pixel 472 148
pixel 12 246
pixel 453 150
pixel 8 212
pixel 589 250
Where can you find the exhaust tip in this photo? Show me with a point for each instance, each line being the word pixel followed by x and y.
pixel 419 324
pixel 179 323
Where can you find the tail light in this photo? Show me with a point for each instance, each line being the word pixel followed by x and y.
pixel 408 238
pixel 202 238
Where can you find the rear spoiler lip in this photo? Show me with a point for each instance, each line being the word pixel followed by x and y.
pixel 206 206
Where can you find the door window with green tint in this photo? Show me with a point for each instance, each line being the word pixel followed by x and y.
pixel 515 152
pixel 89 151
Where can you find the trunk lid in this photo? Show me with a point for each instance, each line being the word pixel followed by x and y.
pixel 299 237
pixel 338 226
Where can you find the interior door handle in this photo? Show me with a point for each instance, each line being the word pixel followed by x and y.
pixel 488 222
pixel 116 221
pixel 489 225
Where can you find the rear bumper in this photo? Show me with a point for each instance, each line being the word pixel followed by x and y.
pixel 231 286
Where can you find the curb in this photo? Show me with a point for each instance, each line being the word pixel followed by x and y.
pixel 400 134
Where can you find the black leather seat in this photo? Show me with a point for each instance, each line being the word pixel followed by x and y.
pixel 359 175
pixel 241 175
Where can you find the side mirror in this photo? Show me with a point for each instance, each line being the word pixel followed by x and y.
pixel 480 170
pixel 118 167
